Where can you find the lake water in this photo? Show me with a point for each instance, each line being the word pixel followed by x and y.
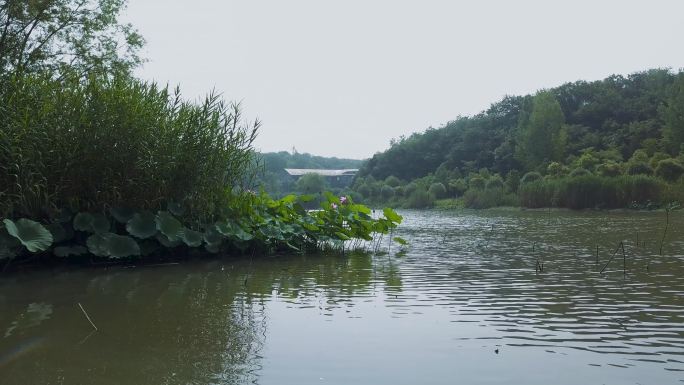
pixel 463 304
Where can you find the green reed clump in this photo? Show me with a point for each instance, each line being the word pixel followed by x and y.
pixel 102 142
pixel 489 197
pixel 592 191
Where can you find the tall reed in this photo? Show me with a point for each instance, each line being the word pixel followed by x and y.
pixel 116 141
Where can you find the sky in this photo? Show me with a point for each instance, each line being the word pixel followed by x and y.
pixel 342 78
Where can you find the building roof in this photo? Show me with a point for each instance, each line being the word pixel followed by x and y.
pixel 321 172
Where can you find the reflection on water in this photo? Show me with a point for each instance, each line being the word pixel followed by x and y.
pixel 463 304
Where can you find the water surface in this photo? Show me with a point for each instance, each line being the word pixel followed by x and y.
pixel 465 303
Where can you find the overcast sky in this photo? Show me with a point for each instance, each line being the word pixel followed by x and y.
pixel 341 78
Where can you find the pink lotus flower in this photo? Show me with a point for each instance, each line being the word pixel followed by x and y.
pixel 333 206
pixel 344 200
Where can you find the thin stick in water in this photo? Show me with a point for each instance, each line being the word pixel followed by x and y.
pixel 624 260
pixel 637 239
pixel 613 256
pixel 667 224
pixel 87 316
pixel 597 255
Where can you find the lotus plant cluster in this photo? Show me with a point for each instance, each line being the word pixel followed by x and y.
pixel 254 223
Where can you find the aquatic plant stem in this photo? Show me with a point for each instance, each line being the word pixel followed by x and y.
pixel 87 316
pixel 624 256
pixel 667 224
pixel 597 255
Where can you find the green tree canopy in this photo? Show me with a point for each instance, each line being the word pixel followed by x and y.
pixel 542 136
pixel 311 184
pixel 673 115
pixel 66 36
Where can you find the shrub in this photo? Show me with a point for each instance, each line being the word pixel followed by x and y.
pixel 399 191
pixel 482 199
pixel 639 168
pixel 495 183
pixel 587 161
pixel 639 156
pixel 537 193
pixel 513 180
pixel 420 199
pixel 476 182
pixel 364 190
pixel 555 169
pixel 530 177
pixel 669 169
pixel 437 190
pixel 410 189
pixel 579 172
pixel 386 192
pixel 392 181
pixel 590 191
pixel 638 189
pixel 656 158
pixel 609 169
pixel 457 187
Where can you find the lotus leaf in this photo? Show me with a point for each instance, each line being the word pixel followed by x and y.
pixel 142 225
pixel 166 242
pixel 100 224
pixel 121 246
pixel 271 232
pixel 225 228
pixel 392 215
pixel 65 251
pixel 191 238
pixel 212 248
pixel 233 230
pixel 212 236
pixel 342 236
pixel 91 223
pixel 83 222
pixel 361 209
pixel 299 209
pixel 400 241
pixel 288 199
pixel 169 226
pixel 242 235
pixel 31 234
pixel 97 245
pixel 59 233
pixel 122 214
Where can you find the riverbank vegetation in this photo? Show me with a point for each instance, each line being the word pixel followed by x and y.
pixel 96 164
pixel 617 142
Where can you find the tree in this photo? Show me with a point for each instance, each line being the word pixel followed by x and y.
pixel 542 135
pixel 673 116
pixel 437 190
pixel 386 192
pixel 669 169
pixel 310 184
pixel 66 36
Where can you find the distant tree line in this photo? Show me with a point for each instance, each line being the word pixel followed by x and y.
pixel 620 127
